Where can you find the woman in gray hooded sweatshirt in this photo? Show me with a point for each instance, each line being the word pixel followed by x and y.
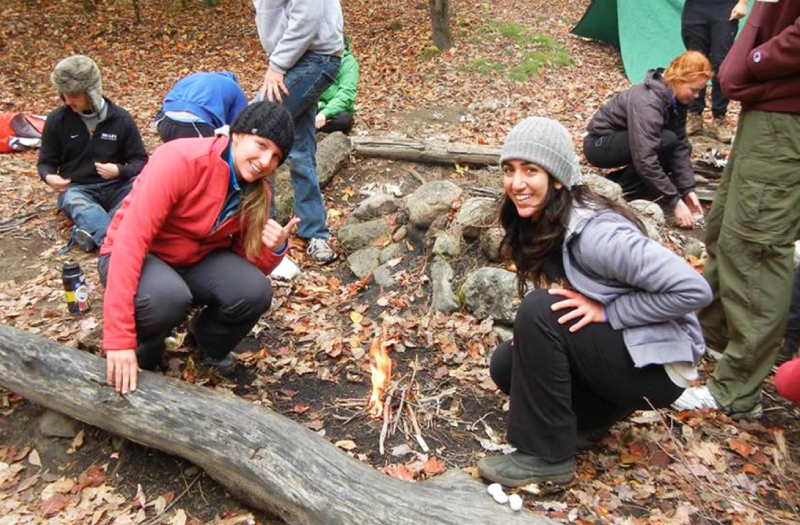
pixel 616 334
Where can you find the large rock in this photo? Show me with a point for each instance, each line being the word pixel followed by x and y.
pixel 651 215
pixel 431 200
pixel 393 251
pixel 604 187
pixel 491 293
pixel 333 152
pixel 56 424
pixel 442 299
pixel 363 262
pixel 448 244
pixel 379 205
pixel 490 242
pixel 476 215
pixel 353 237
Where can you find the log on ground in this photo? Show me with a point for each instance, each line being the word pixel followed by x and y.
pixel 428 152
pixel 259 456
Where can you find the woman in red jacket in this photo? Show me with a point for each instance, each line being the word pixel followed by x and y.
pixel 195 230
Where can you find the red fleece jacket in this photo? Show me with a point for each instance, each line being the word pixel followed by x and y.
pixel 762 69
pixel 787 380
pixel 170 212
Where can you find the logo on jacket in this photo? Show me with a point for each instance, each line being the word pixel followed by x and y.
pixel 108 136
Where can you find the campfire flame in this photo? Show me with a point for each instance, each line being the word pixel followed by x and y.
pixel 381 366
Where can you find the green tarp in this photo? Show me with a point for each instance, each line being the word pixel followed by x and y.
pixel 647 32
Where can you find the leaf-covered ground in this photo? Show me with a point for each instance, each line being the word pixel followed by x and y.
pixel 308 358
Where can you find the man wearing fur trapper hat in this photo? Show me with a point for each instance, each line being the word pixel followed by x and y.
pixel 91 150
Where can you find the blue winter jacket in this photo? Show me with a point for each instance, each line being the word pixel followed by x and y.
pixel 648 292
pixel 216 98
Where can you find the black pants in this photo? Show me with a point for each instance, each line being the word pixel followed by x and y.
pixel 705 27
pixel 339 122
pixel 562 383
pixel 234 294
pixel 614 150
pixel 792 335
pixel 169 129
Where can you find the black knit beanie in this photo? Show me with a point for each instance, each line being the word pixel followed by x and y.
pixel 269 120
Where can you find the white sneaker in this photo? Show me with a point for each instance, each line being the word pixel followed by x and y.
pixel 286 270
pixel 695 397
pixel 321 251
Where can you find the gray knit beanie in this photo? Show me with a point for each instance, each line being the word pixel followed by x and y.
pixel 269 120
pixel 546 143
pixel 79 74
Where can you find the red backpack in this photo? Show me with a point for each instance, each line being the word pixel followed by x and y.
pixel 19 132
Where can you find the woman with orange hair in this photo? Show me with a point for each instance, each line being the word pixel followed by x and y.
pixel 644 129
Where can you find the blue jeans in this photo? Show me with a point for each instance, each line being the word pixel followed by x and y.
pixel 306 81
pixel 91 206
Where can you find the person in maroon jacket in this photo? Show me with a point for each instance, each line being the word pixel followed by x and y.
pixel 755 215
pixel 195 230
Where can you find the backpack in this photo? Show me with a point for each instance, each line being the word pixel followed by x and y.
pixel 19 132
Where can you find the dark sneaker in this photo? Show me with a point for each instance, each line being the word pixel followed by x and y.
pixel 321 251
pixel 224 366
pixel 84 240
pixel 786 353
pixel 518 469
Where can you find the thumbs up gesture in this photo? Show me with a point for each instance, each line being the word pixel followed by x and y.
pixel 274 235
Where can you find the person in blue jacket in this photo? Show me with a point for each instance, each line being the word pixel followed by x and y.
pixel 616 332
pixel 199 104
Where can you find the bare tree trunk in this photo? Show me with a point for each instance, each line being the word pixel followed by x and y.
pixel 137 12
pixel 266 460
pixel 440 24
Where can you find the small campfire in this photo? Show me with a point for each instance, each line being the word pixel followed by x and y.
pixel 381 366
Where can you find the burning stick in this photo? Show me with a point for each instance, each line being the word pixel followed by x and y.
pixel 381 366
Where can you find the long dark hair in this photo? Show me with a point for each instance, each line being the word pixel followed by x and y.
pixel 531 242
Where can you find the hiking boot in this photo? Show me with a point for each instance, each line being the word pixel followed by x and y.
pixel 518 469
pixel 698 397
pixel 786 353
pixel 225 366
pixel 590 439
pixel 321 251
pixel 694 124
pixel 718 129
pixel 84 240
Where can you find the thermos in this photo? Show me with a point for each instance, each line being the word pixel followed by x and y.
pixel 75 288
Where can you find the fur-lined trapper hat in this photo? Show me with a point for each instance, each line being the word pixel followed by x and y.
pixel 79 74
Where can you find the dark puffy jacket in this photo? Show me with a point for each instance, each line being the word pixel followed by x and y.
pixel 644 110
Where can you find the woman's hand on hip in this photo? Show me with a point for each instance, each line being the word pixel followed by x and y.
pixel 274 235
pixel 122 370
pixel 584 309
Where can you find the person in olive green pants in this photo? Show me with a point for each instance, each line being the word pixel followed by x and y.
pixel 755 216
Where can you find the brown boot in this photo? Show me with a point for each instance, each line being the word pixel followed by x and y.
pixel 694 124
pixel 719 130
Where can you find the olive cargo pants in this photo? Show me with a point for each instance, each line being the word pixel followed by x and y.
pixel 751 229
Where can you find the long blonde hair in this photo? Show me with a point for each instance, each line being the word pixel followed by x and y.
pixel 688 67
pixel 254 216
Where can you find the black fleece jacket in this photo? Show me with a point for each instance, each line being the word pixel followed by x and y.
pixel 70 151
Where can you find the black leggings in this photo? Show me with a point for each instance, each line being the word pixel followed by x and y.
pixel 169 129
pixel 234 293
pixel 339 122
pixel 562 383
pixel 614 150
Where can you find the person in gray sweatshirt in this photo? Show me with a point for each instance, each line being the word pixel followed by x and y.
pixel 615 332
pixel 305 43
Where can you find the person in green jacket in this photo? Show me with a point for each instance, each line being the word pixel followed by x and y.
pixel 337 103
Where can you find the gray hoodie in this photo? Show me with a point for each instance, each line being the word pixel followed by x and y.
pixel 648 292
pixel 290 28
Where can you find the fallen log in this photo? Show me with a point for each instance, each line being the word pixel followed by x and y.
pixel 259 456
pixel 428 152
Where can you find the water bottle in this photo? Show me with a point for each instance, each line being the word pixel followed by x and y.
pixel 75 288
